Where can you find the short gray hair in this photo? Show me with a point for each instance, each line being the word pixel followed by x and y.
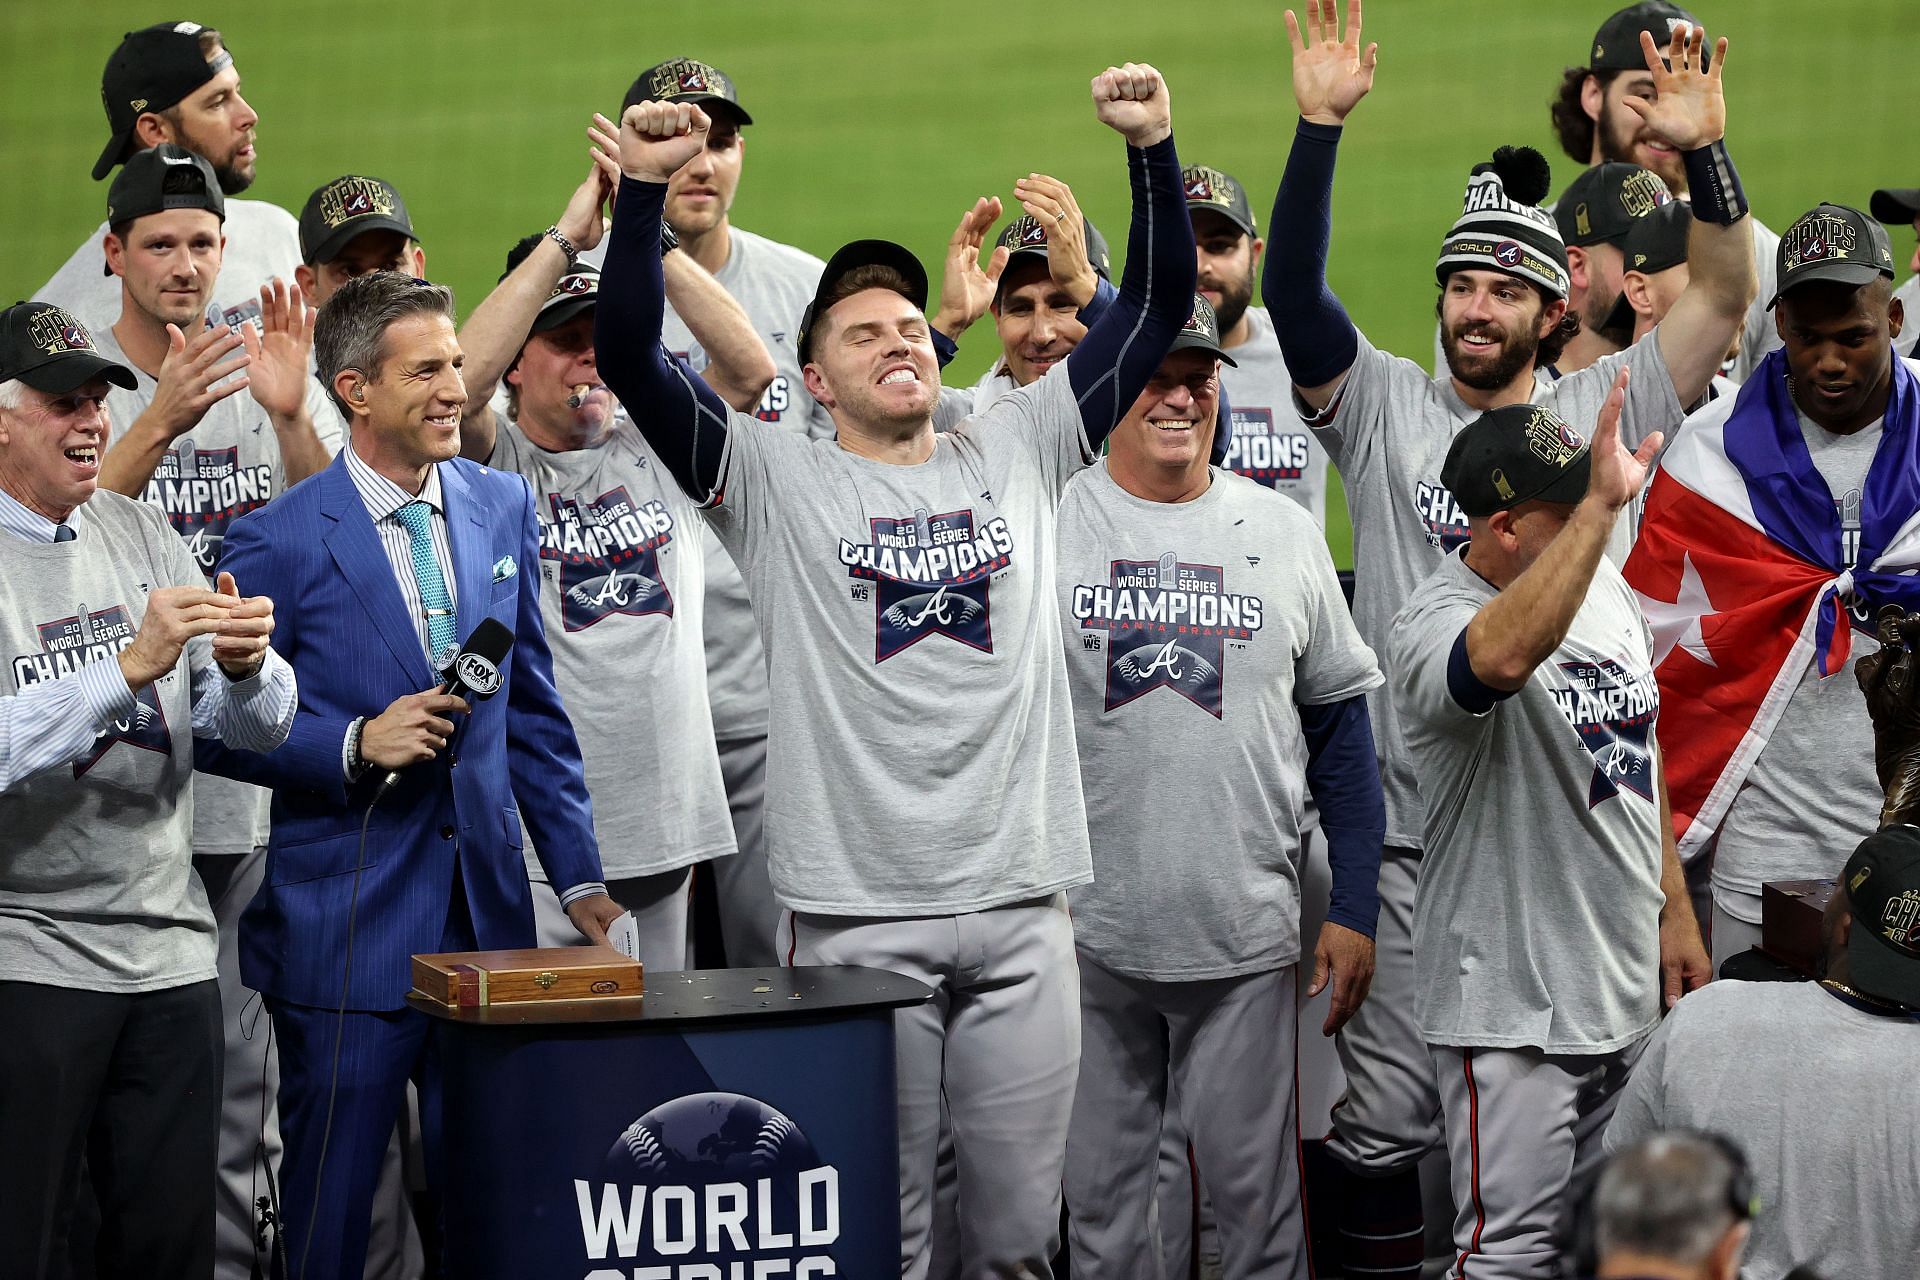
pixel 351 331
pixel 13 393
pixel 1669 1196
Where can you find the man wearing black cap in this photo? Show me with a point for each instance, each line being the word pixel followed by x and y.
pixel 119 654
pixel 176 82
pixel 902 581
pixel 1387 426
pixel 1653 276
pixel 1203 620
pixel 1523 675
pixel 772 282
pixel 1900 207
pixel 1823 431
pixel 1594 214
pixel 1596 121
pixel 1814 1080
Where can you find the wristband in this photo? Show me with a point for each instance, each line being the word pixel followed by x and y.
pixel 669 238
pixel 1715 185
pixel 554 234
pixel 356 763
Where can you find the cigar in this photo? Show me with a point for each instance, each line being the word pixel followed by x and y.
pixel 579 396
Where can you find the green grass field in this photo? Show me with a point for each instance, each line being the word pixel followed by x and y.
pixel 888 119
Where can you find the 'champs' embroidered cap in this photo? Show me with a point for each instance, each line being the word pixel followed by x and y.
pixel 349 206
pixel 49 350
pixel 1831 242
pixel 1028 235
pixel 152 69
pixel 1218 191
pixel 1502 227
pixel 1201 332
pixel 1882 884
pixel 1514 454
pixel 1603 203
pixel 686 80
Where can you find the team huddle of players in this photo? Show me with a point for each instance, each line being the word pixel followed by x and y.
pixel 916 667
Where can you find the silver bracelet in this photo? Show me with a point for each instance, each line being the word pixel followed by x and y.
pixel 554 234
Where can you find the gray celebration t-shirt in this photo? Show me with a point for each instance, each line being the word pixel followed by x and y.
pixel 225 466
pixel 1813 793
pixel 1537 917
pixel 1269 443
pixel 920 756
pixel 1192 629
pixel 1819 1094
pixel 621 594
pixel 1387 430
pixel 773 283
pixel 263 241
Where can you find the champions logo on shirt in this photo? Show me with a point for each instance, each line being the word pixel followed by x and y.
pixel 68 644
pixel 202 491
pixel 1445 523
pixel 609 556
pixel 1613 712
pixel 932 575
pixel 1259 451
pixel 1167 626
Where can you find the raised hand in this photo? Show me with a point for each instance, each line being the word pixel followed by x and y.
pixel 967 288
pixel 277 355
pixel 604 135
pixel 1616 475
pixel 1133 101
pixel 240 646
pixel 581 221
pixel 1050 202
pixel 189 372
pixel 656 138
pixel 1330 75
pixel 1890 679
pixel 1688 109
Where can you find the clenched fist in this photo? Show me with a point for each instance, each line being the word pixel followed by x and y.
pixel 1891 681
pixel 656 138
pixel 1132 100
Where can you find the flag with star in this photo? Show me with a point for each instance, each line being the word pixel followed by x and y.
pixel 1739 569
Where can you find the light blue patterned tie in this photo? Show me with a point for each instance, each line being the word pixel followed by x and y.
pixel 417 516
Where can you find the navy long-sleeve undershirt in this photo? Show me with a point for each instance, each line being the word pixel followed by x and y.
pixel 1344 777
pixel 1316 335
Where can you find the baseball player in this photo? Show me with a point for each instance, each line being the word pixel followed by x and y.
pixel 1387 425
pixel 1900 207
pixel 1594 215
pixel 772 282
pixel 1596 119
pixel 1551 909
pixel 176 82
pixel 1203 622
pixel 621 571
pixel 910 574
pixel 1813 1079
pixel 1653 276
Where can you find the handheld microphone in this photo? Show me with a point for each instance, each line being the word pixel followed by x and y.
pixel 474 672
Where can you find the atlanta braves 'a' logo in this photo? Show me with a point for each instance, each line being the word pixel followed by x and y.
pixel 609 556
pixel 88 635
pixel 1167 625
pixel 931 575
pixel 1613 711
pixel 202 491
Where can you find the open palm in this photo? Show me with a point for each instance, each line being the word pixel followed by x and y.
pixel 1330 74
pixel 1688 108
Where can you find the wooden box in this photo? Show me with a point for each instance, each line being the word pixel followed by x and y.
pixel 1790 912
pixel 472 979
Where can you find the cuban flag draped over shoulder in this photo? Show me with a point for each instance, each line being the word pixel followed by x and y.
pixel 1739 571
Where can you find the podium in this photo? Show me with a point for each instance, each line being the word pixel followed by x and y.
pixel 732 1124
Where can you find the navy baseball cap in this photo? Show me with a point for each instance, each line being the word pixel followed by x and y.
pixel 1616 46
pixel 1514 454
pixel 848 258
pixel 152 69
pixel 1882 884
pixel 347 207
pixel 46 348
pixel 1831 242
pixel 686 80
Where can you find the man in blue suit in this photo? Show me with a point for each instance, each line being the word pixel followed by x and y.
pixel 387 561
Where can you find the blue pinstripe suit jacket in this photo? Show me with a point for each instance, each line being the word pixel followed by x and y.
pixel 340 620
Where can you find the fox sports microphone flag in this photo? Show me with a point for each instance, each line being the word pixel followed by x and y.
pixel 1747 572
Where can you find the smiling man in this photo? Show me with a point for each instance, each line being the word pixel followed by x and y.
pixel 1503 279
pixel 925 812
pixel 176 82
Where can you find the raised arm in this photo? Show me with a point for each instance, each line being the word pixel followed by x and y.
pixel 498 327
pixel 1689 111
pixel 1330 76
pixel 278 377
pixel 1111 365
pixel 681 417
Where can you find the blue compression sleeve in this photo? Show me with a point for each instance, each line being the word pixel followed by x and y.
pixel 682 418
pixel 1344 777
pixel 1316 335
pixel 1125 345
